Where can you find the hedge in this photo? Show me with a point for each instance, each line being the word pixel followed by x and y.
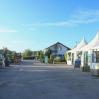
pixel 28 58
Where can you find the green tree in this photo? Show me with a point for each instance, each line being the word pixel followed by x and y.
pixel 65 55
pixel 41 56
pixel 27 53
pixel 48 53
pixel 34 53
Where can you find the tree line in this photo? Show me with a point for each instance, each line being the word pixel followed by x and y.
pixel 40 55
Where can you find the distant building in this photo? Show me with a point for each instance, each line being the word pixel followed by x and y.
pixel 58 49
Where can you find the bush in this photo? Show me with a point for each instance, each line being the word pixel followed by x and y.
pixel 63 60
pixel 48 52
pixel 27 53
pixel 28 58
pixel 42 60
pixel 57 59
pixel 50 61
pixel 65 56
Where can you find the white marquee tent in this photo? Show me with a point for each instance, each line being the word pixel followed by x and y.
pixel 87 50
pixel 75 50
pixel 82 44
pixel 93 44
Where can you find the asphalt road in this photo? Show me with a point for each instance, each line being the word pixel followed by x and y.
pixel 39 81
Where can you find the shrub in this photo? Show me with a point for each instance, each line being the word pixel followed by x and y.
pixel 50 61
pixel 65 56
pixel 27 53
pixel 57 59
pixel 28 58
pixel 63 60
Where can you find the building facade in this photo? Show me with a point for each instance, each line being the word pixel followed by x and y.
pixel 58 49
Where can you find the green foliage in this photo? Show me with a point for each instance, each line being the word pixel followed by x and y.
pixel 63 60
pixel 41 56
pixel 9 54
pixel 28 58
pixel 38 54
pixel 48 53
pixel 57 59
pixel 65 56
pixel 34 53
pixel 51 59
pixel 68 56
pixel 27 53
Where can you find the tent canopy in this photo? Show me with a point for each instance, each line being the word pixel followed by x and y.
pixel 94 43
pixel 79 46
pixel 96 47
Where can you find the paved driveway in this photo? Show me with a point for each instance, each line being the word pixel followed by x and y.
pixel 40 81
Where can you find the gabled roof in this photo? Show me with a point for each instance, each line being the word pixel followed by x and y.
pixel 79 46
pixel 92 44
pixel 60 44
pixel 82 44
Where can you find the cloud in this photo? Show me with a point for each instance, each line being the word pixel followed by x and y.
pixel 2 30
pixel 85 17
pixel 62 23
pixel 77 18
pixel 18 45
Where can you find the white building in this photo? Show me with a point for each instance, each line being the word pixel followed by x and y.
pixel 58 49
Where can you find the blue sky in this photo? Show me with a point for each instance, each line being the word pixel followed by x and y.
pixel 37 24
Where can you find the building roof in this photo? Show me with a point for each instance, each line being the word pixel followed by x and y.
pixel 60 44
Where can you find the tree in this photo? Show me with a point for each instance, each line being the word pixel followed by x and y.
pixel 41 56
pixel 34 53
pixel 27 53
pixel 66 56
pixel 48 53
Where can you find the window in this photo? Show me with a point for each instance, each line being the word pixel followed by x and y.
pixel 59 48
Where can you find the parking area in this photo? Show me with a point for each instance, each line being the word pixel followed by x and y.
pixel 40 81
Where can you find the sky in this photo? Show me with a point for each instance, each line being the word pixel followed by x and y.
pixel 37 24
